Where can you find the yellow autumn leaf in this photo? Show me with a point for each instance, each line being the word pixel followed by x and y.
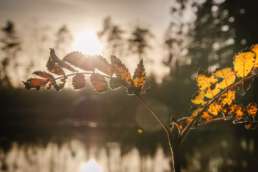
pixel 237 110
pixel 214 109
pixel 227 75
pixel 204 81
pixel 228 98
pixel 210 93
pixel 199 98
pixel 244 63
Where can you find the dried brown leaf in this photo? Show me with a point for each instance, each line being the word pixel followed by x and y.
pixel 78 81
pixel 99 83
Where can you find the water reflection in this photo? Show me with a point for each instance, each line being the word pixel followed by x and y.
pixel 74 156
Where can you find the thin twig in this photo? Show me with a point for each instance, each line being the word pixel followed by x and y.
pixel 163 126
pixel 75 73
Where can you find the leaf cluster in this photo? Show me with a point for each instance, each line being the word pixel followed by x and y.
pixel 216 98
pixel 81 68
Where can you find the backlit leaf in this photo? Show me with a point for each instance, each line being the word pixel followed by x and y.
pixel 228 97
pixel 244 63
pixel 227 75
pixel 44 74
pixel 252 109
pixel 139 76
pixel 101 64
pixel 121 71
pixel 78 81
pixel 54 67
pixel 36 83
pixel 214 109
pixel 61 63
pixel 51 79
pixel 199 99
pixel 238 111
pixel 206 116
pixel 99 83
pixel 204 81
pixel 210 93
pixel 79 60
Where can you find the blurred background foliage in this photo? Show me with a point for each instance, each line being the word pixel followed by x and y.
pixel 201 36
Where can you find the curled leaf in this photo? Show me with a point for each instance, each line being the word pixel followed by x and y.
pixel 54 67
pixel 99 83
pixel 51 79
pixel 36 83
pixel 61 63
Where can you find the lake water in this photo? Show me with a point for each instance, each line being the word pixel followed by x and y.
pixel 75 156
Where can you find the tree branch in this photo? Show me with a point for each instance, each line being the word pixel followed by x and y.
pixel 186 130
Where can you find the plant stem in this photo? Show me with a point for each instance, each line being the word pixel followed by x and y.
pixel 75 73
pixel 164 128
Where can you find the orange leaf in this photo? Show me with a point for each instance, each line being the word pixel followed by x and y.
pixel 99 83
pixel 121 71
pixel 206 116
pixel 139 76
pixel 35 83
pixel 51 79
pixel 252 109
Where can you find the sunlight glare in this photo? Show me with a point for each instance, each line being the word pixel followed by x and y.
pixel 87 42
pixel 91 166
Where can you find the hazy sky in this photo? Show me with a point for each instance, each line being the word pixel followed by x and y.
pixel 81 13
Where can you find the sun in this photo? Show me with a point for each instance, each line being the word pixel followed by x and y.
pixel 91 166
pixel 87 42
